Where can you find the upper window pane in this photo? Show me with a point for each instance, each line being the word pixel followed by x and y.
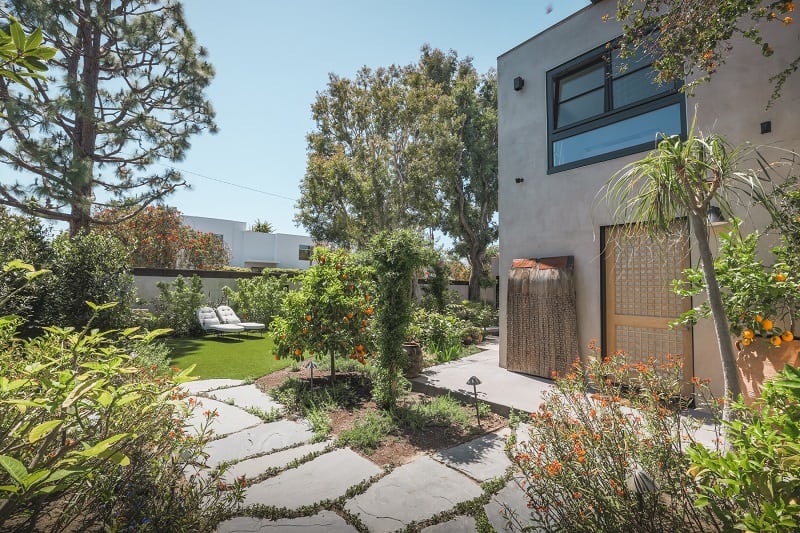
pixel 621 66
pixel 636 86
pixel 580 82
pixel 582 107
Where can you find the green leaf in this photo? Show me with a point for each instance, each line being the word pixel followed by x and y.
pixel 80 391
pixel 103 446
pixel 100 307
pixel 17 35
pixel 43 429
pixel 34 40
pixel 115 457
pixel 34 478
pixel 15 469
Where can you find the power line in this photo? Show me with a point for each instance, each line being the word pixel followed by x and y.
pixel 232 184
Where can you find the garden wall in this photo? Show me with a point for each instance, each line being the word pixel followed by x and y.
pixel 147 279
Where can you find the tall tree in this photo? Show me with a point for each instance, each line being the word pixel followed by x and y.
pixel 696 36
pixel 126 89
pixel 468 186
pixel 371 163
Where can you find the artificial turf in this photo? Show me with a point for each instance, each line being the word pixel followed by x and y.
pixel 243 356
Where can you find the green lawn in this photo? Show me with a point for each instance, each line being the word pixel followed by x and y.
pixel 229 356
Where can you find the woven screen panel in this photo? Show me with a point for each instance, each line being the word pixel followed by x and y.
pixel 541 317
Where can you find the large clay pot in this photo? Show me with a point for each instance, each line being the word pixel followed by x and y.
pixel 414 359
pixel 760 362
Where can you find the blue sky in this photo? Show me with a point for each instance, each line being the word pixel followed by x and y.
pixel 272 57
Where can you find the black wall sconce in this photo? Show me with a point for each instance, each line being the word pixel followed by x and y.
pixel 766 127
pixel 519 83
pixel 519 180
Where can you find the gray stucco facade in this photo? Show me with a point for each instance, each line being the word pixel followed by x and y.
pixel 556 214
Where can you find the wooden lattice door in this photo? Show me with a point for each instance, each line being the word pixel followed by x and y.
pixel 639 301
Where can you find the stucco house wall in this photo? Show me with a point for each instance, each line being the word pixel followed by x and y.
pixel 252 248
pixel 545 215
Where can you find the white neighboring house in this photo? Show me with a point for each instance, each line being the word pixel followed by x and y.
pixel 256 250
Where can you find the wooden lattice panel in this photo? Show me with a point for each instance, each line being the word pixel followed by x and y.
pixel 639 302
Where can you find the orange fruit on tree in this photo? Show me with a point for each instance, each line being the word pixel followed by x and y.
pixel 759 318
pixel 298 352
pixel 766 324
pixel 369 310
pixel 748 334
pixel 350 314
pixel 787 336
pixel 359 347
pixel 364 323
pixel 776 340
pixel 308 318
pixel 780 277
pixel 746 341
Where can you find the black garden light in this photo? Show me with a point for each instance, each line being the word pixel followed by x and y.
pixel 474 381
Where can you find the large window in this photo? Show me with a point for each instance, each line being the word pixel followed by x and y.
pixel 602 106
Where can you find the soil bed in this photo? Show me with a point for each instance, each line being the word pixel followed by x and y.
pixel 405 443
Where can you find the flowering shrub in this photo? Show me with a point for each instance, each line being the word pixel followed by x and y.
pixel 602 456
pixel 329 314
pixel 158 238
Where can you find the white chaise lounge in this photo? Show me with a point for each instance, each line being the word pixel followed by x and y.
pixel 228 316
pixel 209 321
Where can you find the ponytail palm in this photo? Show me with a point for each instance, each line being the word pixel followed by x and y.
pixel 680 179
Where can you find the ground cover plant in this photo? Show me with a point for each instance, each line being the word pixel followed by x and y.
pixel 242 356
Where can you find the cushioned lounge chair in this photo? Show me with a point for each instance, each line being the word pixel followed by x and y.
pixel 209 321
pixel 228 316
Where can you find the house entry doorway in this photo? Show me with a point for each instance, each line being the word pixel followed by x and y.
pixel 638 300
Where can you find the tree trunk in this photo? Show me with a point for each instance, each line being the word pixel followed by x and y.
pixel 333 367
pixel 476 270
pixel 729 373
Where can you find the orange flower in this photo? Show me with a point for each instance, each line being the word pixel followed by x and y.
pixel 787 20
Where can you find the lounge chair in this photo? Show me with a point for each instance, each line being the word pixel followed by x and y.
pixel 209 321
pixel 228 316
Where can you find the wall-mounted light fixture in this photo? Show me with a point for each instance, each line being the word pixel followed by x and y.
pixel 519 83
pixel 519 180
pixel 766 127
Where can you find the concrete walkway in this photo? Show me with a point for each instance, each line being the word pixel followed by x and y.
pixel 294 476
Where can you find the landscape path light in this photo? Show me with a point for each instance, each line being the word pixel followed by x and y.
pixel 311 365
pixel 474 381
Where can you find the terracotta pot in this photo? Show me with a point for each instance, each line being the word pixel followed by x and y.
pixel 760 362
pixel 414 359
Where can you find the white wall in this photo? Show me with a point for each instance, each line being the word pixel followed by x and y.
pixel 554 215
pixel 275 249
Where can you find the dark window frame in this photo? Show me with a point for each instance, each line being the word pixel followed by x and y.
pixel 610 115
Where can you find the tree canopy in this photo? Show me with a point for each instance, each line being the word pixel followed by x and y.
pixel 409 147
pixel 125 90
pixel 693 36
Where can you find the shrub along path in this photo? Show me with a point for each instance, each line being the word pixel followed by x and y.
pixel 294 484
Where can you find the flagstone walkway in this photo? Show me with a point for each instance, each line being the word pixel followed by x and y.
pixel 296 476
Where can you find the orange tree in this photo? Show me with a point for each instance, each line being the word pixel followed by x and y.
pixel 329 314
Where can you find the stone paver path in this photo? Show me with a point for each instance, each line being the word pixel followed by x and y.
pixel 294 472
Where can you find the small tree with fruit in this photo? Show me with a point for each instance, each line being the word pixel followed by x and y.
pixel 329 314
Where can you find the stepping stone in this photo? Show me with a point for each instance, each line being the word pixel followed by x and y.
pixel 322 522
pixel 510 501
pixel 415 491
pixel 257 440
pixel 229 419
pixel 246 396
pixel 205 385
pixel 459 524
pixel 325 478
pixel 258 465
pixel 481 459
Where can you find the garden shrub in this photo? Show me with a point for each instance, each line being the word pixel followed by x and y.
pixel 439 333
pixel 475 313
pixel 755 484
pixel 90 267
pixel 177 304
pixel 590 462
pixel 394 256
pixel 258 299
pixel 89 440
pixel 436 291
pixel 329 315
pixel 23 238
